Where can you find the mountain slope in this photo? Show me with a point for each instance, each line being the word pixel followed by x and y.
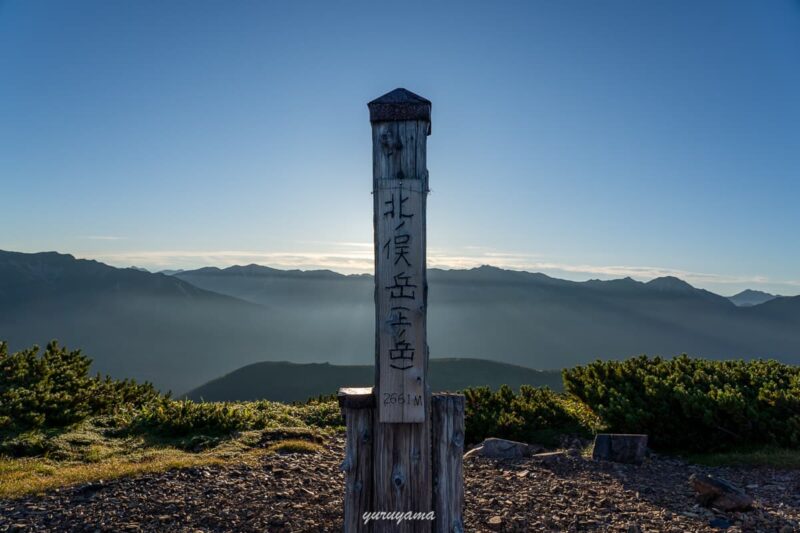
pixel 288 382
pixel 528 319
pixel 750 297
pixel 132 323
pixel 182 330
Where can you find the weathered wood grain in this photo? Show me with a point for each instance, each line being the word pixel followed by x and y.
pixel 356 398
pixel 399 190
pixel 402 440
pixel 357 465
pixel 402 474
pixel 447 428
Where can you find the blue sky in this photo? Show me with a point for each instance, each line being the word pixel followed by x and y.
pixel 582 139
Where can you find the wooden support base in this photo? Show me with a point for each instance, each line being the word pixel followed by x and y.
pixel 366 467
pixel 620 448
pixel 447 452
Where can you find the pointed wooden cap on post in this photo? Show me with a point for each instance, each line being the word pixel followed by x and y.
pixel 400 104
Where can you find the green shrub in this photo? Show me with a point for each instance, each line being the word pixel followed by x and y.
pixel 321 413
pixel 177 418
pixel 44 395
pixel 693 404
pixel 534 415
pixel 31 443
pixel 54 389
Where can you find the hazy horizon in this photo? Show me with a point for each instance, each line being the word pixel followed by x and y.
pixel 579 140
pixel 554 273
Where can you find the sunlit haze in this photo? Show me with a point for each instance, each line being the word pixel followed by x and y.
pixel 579 139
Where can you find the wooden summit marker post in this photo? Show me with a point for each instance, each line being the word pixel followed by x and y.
pixel 404 446
pixel 400 127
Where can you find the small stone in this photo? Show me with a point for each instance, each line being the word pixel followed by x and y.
pixel 496 523
pixel 719 523
pixel 719 493
pixel 503 449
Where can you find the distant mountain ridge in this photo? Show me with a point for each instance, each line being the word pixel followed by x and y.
pixel 538 321
pixel 289 382
pixel 132 323
pixel 479 274
pixel 750 297
pixel 184 329
pixel 253 270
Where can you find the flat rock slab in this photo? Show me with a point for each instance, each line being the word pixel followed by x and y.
pixel 620 448
pixel 719 493
pixel 503 449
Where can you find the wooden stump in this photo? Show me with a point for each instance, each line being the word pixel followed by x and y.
pixel 620 448
pixel 357 406
pixel 363 467
pixel 447 428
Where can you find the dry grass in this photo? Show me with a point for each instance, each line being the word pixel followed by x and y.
pixel 84 455
pixel 294 446
pixel 39 460
pixel 20 477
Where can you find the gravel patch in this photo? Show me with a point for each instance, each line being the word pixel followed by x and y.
pixel 303 492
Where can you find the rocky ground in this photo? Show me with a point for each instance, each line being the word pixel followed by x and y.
pixel 299 492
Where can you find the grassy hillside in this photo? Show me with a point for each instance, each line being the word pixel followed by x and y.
pixel 80 427
pixel 289 382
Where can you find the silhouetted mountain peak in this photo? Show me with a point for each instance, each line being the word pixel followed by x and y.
pixel 260 271
pixel 171 271
pixel 9 257
pixel 751 292
pixel 670 283
pixel 749 297
pixel 489 272
pixel 625 282
pixel 27 276
pixel 204 270
pixel 40 267
pixel 251 270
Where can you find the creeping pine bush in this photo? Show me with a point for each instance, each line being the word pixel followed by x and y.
pixel 178 418
pixel 534 415
pixel 54 389
pixel 693 404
